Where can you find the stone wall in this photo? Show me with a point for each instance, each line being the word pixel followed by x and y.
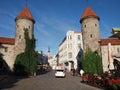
pixel 20 38
pixel 8 54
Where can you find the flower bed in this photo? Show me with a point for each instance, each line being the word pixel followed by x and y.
pixel 114 81
pixel 84 78
pixel 102 81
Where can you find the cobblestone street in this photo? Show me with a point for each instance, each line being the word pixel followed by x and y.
pixel 44 81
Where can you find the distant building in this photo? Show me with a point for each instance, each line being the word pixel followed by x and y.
pixel 43 59
pixel 69 49
pixel 11 47
pixel 49 56
pixel 53 62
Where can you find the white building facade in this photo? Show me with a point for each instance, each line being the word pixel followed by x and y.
pixel 69 49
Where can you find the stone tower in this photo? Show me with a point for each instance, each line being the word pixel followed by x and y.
pixel 23 20
pixel 90 30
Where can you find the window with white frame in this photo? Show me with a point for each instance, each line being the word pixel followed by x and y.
pixel 70 55
pixel 78 37
pixel 79 46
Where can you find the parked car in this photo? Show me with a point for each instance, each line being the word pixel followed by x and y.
pixel 60 73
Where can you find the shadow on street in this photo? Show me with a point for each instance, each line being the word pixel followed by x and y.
pixel 43 72
pixel 8 80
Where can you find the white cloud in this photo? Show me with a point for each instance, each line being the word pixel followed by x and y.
pixel 7 27
pixel 8 14
pixel 53 20
pixel 41 28
pixel 57 23
pixel 105 29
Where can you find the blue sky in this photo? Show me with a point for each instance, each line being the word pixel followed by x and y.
pixel 55 17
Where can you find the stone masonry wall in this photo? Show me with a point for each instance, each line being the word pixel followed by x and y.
pixel 90 32
pixel 20 38
pixel 8 54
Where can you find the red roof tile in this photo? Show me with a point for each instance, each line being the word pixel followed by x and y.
pixel 113 41
pixel 5 40
pixel 25 13
pixel 87 13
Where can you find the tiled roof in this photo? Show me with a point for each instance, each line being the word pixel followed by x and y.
pixel 25 13
pixel 113 41
pixel 88 13
pixel 5 40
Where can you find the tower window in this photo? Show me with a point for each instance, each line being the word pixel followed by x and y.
pixel 91 35
pixel 19 36
pixel 29 27
pixel 96 25
pixel 85 26
pixel 6 49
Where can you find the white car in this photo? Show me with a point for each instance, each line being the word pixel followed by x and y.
pixel 60 73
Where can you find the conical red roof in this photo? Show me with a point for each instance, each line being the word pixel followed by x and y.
pixel 87 13
pixel 25 13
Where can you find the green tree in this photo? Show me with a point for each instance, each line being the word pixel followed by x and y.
pixel 26 62
pixel 92 62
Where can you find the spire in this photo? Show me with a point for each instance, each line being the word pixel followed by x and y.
pixel 25 13
pixel 48 49
pixel 49 53
pixel 88 13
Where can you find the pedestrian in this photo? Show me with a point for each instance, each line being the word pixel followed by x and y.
pixel 72 71
pixel 81 72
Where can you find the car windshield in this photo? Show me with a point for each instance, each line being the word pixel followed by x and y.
pixel 60 70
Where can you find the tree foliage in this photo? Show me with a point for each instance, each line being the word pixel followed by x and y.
pixel 26 62
pixel 92 62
